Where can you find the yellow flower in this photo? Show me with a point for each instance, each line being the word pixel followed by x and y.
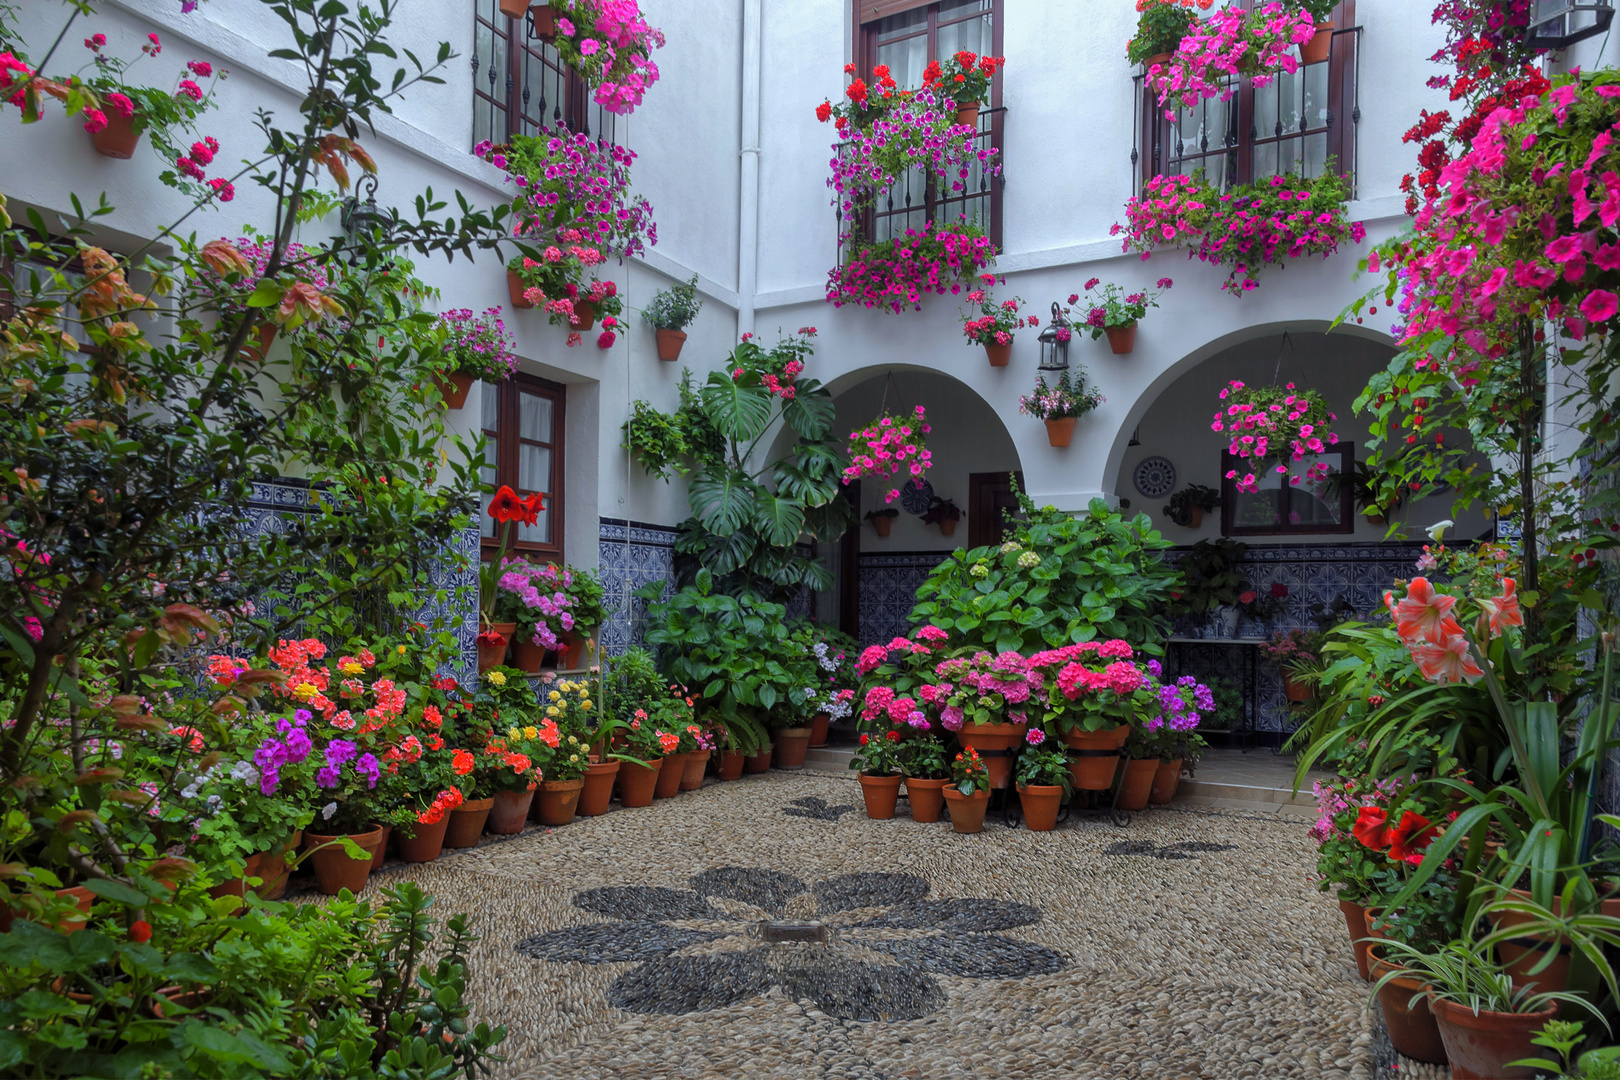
pixel 530 733
pixel 400 650
pixel 585 705
pixel 496 677
pixel 513 733
pixel 553 711
pixel 554 696
pixel 353 667
pixel 305 691
pixel 573 757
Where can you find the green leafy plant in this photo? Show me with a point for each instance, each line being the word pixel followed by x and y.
pixel 674 308
pixel 1161 26
pixel 1210 577
pixel 1190 498
pixel 940 511
pixel 968 773
pixel 924 758
pixel 666 444
pixel 1045 766
pixel 879 753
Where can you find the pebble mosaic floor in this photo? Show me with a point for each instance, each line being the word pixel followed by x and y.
pixel 1188 945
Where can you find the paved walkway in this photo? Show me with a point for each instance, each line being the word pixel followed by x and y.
pixel 1189 945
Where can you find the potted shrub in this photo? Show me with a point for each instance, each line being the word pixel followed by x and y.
pixel 570 707
pixel 1167 730
pixel 1043 781
pixel 1160 27
pixel 1061 404
pixel 422 838
pixel 878 762
pixel 995 325
pixel 641 762
pixel 476 349
pixel 889 448
pixel 1189 505
pixel 944 513
pixel 513 774
pixel 882 520
pixel 1296 654
pixel 968 794
pixel 965 79
pixel 1092 691
pixel 926 771
pixel 116 112
pixel 670 312
pixel 1116 313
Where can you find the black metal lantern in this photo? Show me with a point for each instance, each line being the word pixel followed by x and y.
pixel 363 218
pixel 1558 24
pixel 1055 342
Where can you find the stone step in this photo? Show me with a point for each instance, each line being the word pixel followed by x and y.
pixel 833 759
pixel 1246 792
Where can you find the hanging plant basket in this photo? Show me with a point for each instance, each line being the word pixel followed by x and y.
pixel 1269 424
pixel 892 447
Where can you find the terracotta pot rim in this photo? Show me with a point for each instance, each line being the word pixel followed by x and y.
pixel 1463 1016
pixel 562 785
pixel 597 768
pixel 1040 789
pixel 923 781
pixel 320 838
pixel 474 805
pixel 955 793
pixel 880 777
pixel 793 732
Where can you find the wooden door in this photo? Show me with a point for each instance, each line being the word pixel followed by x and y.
pixel 990 501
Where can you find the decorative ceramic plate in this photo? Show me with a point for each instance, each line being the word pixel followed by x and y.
pixel 917 496
pixel 1155 477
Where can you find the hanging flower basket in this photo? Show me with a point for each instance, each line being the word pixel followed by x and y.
pixel 1269 424
pixel 1258 44
pixel 889 447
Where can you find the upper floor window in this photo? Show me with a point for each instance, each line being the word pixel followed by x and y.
pixel 1297 124
pixel 520 85
pixel 1291 502
pixel 905 35
pixel 523 450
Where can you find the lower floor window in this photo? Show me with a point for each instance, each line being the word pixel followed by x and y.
pixel 523 450
pixel 1301 499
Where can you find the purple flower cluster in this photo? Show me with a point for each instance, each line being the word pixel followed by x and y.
pixel 478 345
pixel 289 746
pixel 339 752
pixel 1180 705
pixel 547 610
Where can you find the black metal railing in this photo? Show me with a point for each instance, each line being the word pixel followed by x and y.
pixel 521 86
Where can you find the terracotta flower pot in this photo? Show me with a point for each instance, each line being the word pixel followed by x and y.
pixel 670 771
pixel 967 811
pixel 1156 58
pixel 467 823
pixel 382 848
pixel 1094 770
pixel 1139 774
pixel 669 343
pixel 527 656
pixel 1296 691
pixel 597 790
pixel 515 289
pixel 1195 516
pixel 509 812
pixel 543 20
pixel 454 388
pixel 731 765
pixel 927 799
pixel 947 527
pixel 256 349
pixel 1355 920
pixel 559 800
pixel 493 656
pixel 1060 431
pixel 334 869
pixel 1481 1046
pixel 1519 957
pixel 1411 1024
pixel 697 763
pixel 237 886
pixel 1166 778
pixel 1041 804
pixel 818 730
pixel 514 9
pixel 1320 47
pixel 883 525
pixel 992 741
pixel 425 840
pixel 637 783
pixel 967 114
pixel 572 651
pixel 273 868
pixel 758 763
pixel 1122 339
pixel 999 355
pixel 790 745
pixel 880 793
pixel 118 139
pixel 584 317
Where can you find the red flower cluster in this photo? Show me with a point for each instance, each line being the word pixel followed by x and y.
pixel 1404 842
pixel 444 802
pixel 507 507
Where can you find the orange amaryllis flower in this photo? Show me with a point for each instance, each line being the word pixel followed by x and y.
pixel 1369 827
pixel 506 507
pixel 1450 661
pixel 532 507
pixel 1503 611
pixel 1410 837
pixel 1425 614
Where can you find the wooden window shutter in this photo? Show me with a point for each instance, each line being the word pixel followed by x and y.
pixel 873 10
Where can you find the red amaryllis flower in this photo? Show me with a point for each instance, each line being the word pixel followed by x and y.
pixel 1411 836
pixel 1369 827
pixel 506 506
pixel 532 507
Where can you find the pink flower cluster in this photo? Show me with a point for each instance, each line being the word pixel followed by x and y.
pixel 887 446
pixel 581 186
pixel 543 590
pixel 610 44
pixel 1429 629
pixel 1230 43
pixel 997 321
pixel 1266 423
pixel 938 258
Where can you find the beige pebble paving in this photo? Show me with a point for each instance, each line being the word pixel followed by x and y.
pixel 1221 965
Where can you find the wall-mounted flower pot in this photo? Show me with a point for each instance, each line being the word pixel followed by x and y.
pixel 967 114
pixel 467 823
pixel 927 798
pixel 584 317
pixel 1376 519
pixel 515 288
pixel 1296 691
pixel 669 343
pixel 638 783
pixel 1122 339
pixel 790 746
pixel 1138 783
pixel 947 527
pixel 1000 355
pixel 880 794
pixel 1156 58
pixel 598 790
pixel 454 388
pixel 1320 47
pixel 118 139
pixel 883 525
pixel 967 811
pixel 1195 516
pixel 543 21
pixel 425 843
pixel 1165 781
pixel 514 9
pixel 1059 432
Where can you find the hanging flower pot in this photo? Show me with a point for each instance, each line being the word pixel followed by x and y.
pixel 454 388
pixel 515 289
pixel 597 791
pixel 119 138
pixel 1481 1044
pixel 994 742
pixel 790 746
pixel 670 771
pixel 927 798
pixel 543 21
pixel 514 9
pixel 731 765
pixel 584 316
pixel 697 763
pixel 558 801
pixel 669 343
pixel 421 842
pixel 1060 431
pixel 509 812
pixel 967 811
pixel 1165 781
pixel 335 870
pixel 880 794
pixel 1061 404
pixel 1138 784
pixel 467 823
pixel 1122 339
pixel 638 783
pixel 760 762
pixel 1320 47
pixel 947 527
pixel 1156 58
pixel 1412 1027
pixel 1095 758
pixel 883 520
pixel 818 730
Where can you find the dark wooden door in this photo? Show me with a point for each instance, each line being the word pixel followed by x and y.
pixel 990 500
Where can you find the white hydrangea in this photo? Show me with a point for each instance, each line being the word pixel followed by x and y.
pixel 1029 560
pixel 1011 545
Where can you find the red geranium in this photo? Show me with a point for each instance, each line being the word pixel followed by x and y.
pixel 1369 827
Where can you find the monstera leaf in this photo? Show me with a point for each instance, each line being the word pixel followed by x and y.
pixel 723 499
pixel 809 413
pixel 830 520
pixel 779 520
pixel 740 408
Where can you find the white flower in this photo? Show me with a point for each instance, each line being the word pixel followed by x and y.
pixel 1438 530
pixel 328 810
pixel 245 772
pixel 1011 545
pixel 1028 560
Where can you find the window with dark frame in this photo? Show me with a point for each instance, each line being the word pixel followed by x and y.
pixel 905 35
pixel 521 85
pixel 1299 123
pixel 523 428
pixel 29 274
pixel 1290 503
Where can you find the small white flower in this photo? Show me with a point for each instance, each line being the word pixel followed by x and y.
pixel 1438 529
pixel 1028 560
pixel 328 810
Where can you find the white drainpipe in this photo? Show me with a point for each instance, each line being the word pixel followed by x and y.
pixel 748 209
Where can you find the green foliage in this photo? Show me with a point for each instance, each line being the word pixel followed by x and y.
pixel 879 753
pixel 924 758
pixel 1059 579
pixel 1182 503
pixel 1159 29
pixel 1044 766
pixel 1228 713
pixel 674 308
pixel 1210 576
pixel 629 682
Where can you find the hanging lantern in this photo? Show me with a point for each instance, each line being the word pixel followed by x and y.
pixel 1055 342
pixel 1558 24
pixel 362 218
